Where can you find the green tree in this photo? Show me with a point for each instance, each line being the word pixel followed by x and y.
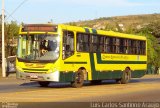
pixel 109 27
pixel 11 33
pixel 118 27
pixel 72 24
pixel 153 48
pixel 154 28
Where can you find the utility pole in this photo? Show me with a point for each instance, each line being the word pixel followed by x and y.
pixel 3 44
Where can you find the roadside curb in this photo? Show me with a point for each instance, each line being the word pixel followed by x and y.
pixel 9 75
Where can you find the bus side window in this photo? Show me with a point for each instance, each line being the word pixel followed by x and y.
pixel 101 44
pixel 142 47
pixel 94 43
pixel 68 44
pixel 129 46
pixel 83 42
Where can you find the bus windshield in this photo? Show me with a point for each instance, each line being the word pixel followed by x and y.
pixel 38 47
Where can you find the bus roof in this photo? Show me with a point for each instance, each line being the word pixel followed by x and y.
pixel 102 32
pixel 42 28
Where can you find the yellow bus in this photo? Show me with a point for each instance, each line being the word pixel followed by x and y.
pixel 62 53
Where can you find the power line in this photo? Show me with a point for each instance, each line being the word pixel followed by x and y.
pixel 16 9
pixel 10 15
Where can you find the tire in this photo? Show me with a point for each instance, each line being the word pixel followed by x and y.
pixel 126 76
pixel 44 83
pixel 78 79
pixel 96 82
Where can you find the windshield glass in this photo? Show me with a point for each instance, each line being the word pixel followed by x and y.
pixel 38 47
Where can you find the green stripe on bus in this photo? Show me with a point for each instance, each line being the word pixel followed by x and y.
pixel 86 30
pixel 100 61
pixel 66 76
pixel 35 69
pixel 97 75
pixel 116 74
pixel 92 63
pixel 94 31
pixel 75 62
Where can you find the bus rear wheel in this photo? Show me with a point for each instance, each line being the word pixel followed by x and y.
pixel 126 76
pixel 78 79
pixel 43 83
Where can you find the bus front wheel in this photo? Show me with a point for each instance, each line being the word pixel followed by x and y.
pixel 43 83
pixel 78 79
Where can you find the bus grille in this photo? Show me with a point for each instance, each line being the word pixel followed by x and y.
pixel 35 70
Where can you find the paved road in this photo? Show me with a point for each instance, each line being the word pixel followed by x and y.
pixel 146 89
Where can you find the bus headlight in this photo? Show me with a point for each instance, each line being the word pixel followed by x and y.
pixel 54 69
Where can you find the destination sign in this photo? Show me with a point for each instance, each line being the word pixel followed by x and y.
pixel 39 28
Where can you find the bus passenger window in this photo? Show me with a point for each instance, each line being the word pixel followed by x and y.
pixel 142 47
pixel 117 43
pixel 68 44
pixel 101 43
pixel 125 46
pixel 107 46
pixel 82 42
pixel 94 43
pixel 138 47
pixel 129 46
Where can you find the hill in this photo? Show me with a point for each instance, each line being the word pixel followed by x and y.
pixel 125 23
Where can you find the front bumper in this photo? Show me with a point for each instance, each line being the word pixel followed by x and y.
pixel 39 76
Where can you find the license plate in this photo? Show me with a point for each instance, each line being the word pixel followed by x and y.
pixel 33 76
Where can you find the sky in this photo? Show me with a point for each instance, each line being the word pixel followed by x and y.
pixel 63 11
